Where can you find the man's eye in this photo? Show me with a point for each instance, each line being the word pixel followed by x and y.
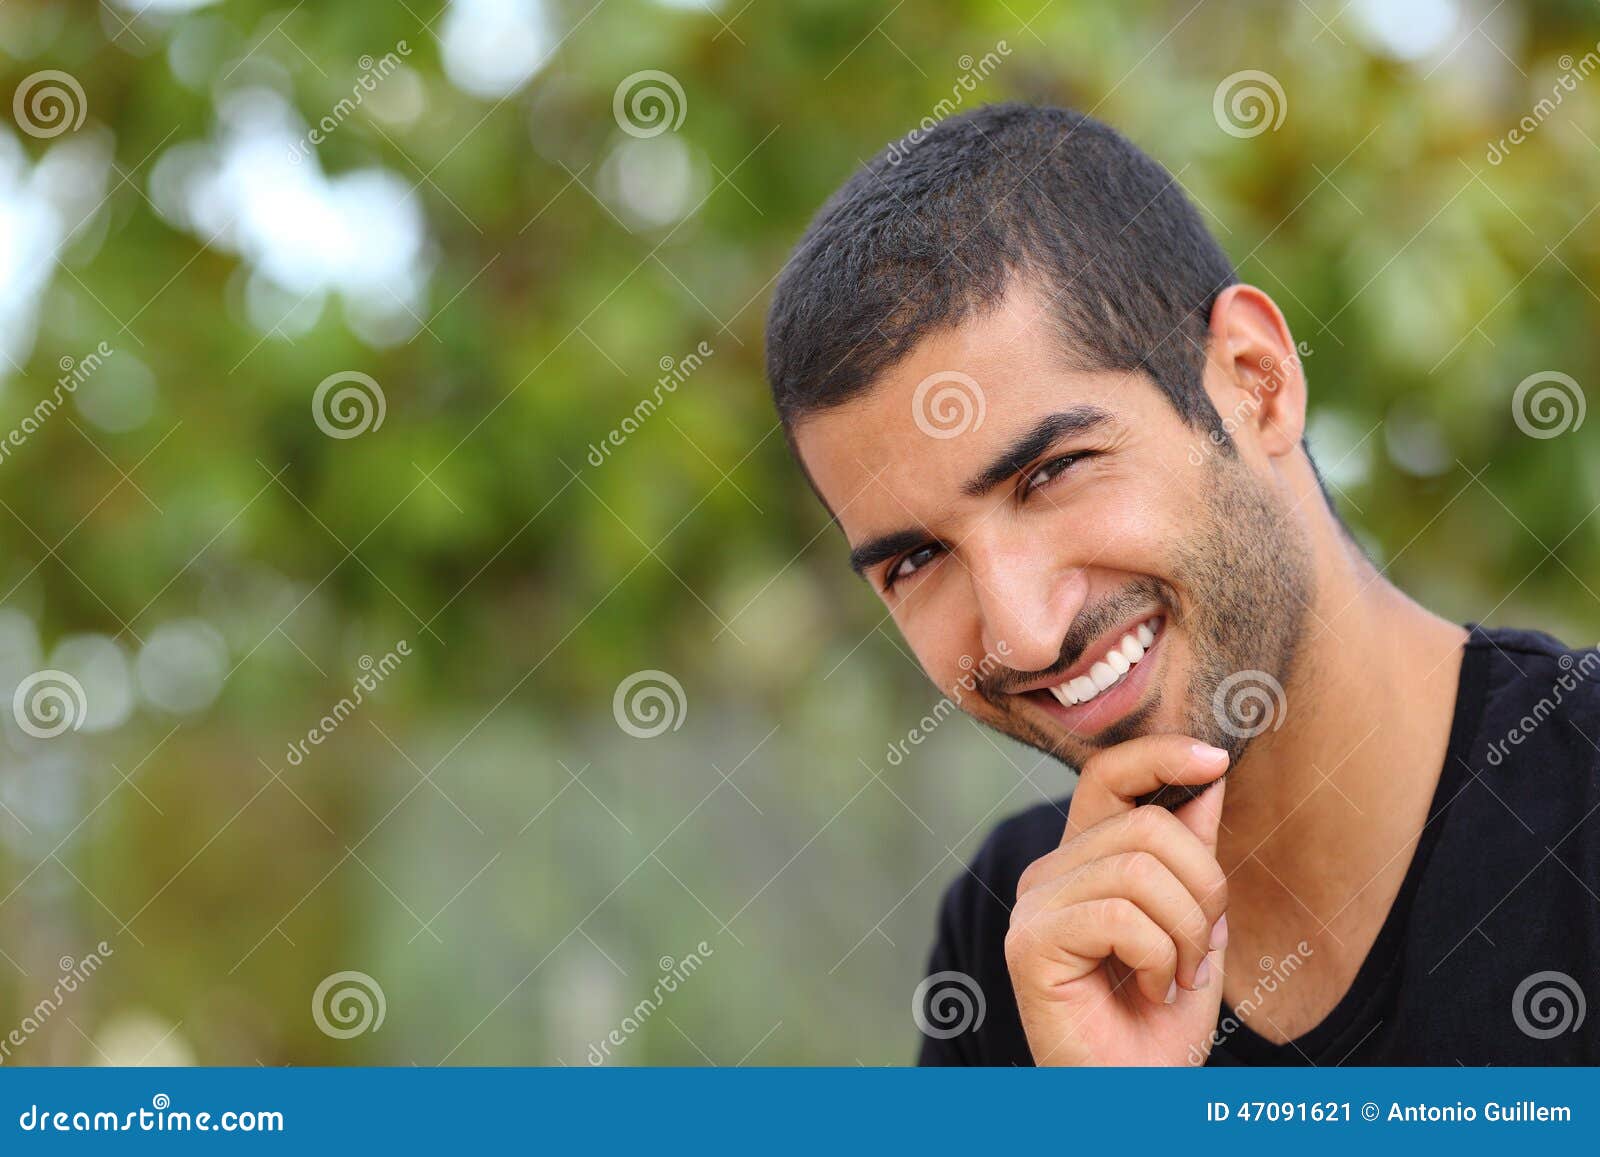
pixel 910 564
pixel 1048 472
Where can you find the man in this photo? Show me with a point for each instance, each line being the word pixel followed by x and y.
pixel 1314 822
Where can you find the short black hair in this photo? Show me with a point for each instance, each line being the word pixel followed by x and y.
pixel 934 229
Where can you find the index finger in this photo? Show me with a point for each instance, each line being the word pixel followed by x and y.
pixel 1113 781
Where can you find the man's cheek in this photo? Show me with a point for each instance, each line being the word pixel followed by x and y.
pixel 931 642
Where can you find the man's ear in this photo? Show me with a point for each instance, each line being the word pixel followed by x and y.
pixel 1255 376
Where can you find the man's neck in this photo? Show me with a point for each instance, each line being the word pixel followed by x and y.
pixel 1322 814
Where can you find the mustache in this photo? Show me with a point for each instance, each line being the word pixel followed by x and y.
pixel 1088 625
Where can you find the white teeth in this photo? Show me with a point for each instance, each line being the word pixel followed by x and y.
pixel 1110 669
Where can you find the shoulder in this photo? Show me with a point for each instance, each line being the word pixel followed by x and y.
pixel 1522 774
pixel 1509 864
pixel 969 947
pixel 1540 713
pixel 1010 847
pixel 1515 643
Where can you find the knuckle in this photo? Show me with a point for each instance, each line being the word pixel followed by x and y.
pixel 1159 958
pixel 1149 823
pixel 1161 954
pixel 1093 767
pixel 1140 867
pixel 1025 910
pixel 1215 899
pixel 1115 912
pixel 1019 946
pixel 1078 837
pixel 1196 929
pixel 1164 955
pixel 1035 873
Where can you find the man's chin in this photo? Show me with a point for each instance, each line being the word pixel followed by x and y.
pixel 1173 796
pixel 1139 721
pixel 1074 750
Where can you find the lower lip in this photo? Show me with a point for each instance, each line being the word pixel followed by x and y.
pixel 1109 706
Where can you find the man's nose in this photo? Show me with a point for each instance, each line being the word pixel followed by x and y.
pixel 1026 605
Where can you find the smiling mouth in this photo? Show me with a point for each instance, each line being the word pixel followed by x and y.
pixel 1108 669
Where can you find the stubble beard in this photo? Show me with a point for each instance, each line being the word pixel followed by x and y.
pixel 1249 580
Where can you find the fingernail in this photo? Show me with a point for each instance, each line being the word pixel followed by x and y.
pixel 1172 992
pixel 1202 974
pixel 1219 932
pixel 1208 754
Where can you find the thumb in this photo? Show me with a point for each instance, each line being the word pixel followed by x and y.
pixel 1203 814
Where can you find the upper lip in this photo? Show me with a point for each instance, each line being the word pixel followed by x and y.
pixel 1092 654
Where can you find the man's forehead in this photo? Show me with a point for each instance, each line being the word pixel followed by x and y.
pixel 884 485
pixel 928 425
pixel 944 430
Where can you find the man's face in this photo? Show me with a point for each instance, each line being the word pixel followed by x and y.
pixel 1031 526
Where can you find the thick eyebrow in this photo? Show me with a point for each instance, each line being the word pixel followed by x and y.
pixel 875 550
pixel 1028 446
pixel 1013 459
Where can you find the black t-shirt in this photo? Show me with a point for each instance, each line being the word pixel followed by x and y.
pixel 1491 952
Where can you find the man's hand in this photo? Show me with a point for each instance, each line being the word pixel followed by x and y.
pixel 1115 946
